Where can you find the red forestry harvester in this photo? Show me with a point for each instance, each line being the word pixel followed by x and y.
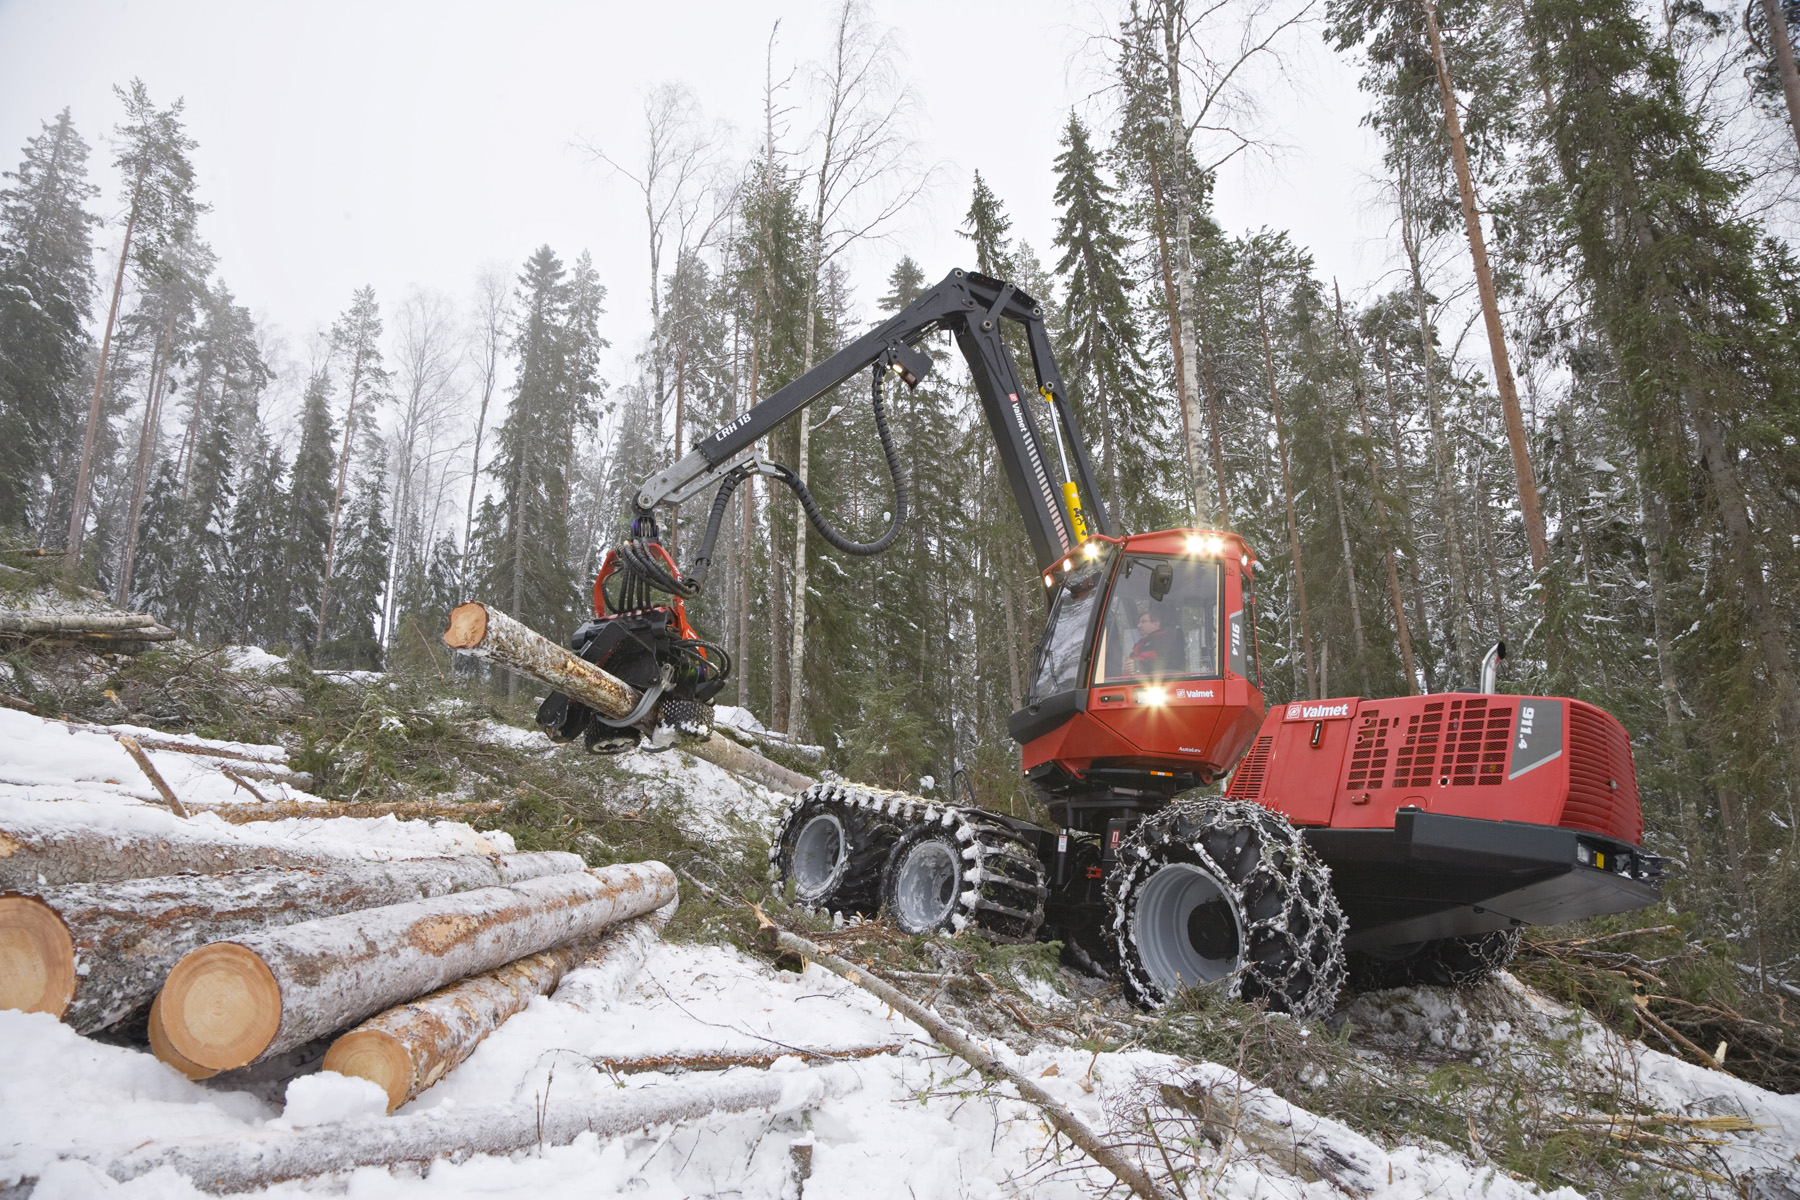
pixel 1415 833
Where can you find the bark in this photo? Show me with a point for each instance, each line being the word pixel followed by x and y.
pixel 232 1003
pixel 721 1060
pixel 147 438
pixel 489 633
pixel 237 1162
pixel 121 939
pixel 1654 523
pixel 1172 304
pixel 337 502
pixel 1287 492
pixel 84 476
pixel 410 1047
pixel 406 810
pixel 1490 304
pixel 15 621
pixel 1783 46
pixel 595 984
pixel 965 1048
pixel 1184 265
pixel 130 746
pixel 1406 523
pixel 1356 624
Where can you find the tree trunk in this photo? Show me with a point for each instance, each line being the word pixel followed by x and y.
pixel 1406 523
pixel 237 1162
pixel 337 505
pixel 1356 625
pixel 1287 493
pixel 1783 46
pixel 232 1003
pixel 1184 267
pixel 595 984
pixel 84 476
pixel 1172 304
pixel 146 458
pixel 1490 303
pixel 1655 533
pixel 119 940
pixel 1376 488
pixel 491 634
pixel 410 1047
pixel 28 622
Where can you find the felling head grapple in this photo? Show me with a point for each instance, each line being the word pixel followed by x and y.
pixel 1418 832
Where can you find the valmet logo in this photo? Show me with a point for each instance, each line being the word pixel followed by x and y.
pixel 1317 712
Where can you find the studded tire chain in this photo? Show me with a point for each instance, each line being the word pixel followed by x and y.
pixel 1293 928
pixel 1443 962
pixel 1004 882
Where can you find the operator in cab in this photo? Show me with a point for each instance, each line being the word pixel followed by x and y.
pixel 1158 651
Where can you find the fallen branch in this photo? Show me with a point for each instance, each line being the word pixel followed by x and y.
pixel 488 633
pixel 130 746
pixel 1065 1122
pixel 720 1060
pixel 244 783
pixel 240 1162
pixel 232 1003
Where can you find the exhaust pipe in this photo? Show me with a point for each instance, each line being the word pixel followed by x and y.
pixel 1490 668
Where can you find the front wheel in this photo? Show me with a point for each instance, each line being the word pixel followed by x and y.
pixel 831 850
pixel 1224 891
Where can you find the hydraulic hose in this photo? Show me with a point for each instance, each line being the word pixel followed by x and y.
pixel 896 470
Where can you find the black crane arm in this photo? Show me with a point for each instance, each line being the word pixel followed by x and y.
pixel 973 308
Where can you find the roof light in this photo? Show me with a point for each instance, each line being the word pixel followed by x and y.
pixel 1091 550
pixel 1049 580
pixel 1068 562
pixel 1215 545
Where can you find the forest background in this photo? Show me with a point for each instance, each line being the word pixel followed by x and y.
pixel 1564 415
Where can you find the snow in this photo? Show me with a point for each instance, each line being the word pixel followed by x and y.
pixel 329 1098
pixel 705 800
pixel 252 660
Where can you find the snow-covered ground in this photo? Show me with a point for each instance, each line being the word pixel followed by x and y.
pixel 916 1123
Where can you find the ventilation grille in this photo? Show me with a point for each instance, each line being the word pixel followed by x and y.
pixel 1603 796
pixel 1454 743
pixel 1247 780
pixel 1369 758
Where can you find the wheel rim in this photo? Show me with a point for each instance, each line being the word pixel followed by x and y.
pixel 1186 929
pixel 818 856
pixel 925 886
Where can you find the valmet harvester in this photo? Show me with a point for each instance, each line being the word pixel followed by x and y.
pixel 1407 838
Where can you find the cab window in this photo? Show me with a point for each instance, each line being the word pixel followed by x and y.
pixel 1162 621
pixel 1064 646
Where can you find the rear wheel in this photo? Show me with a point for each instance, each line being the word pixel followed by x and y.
pixel 1443 962
pixel 1218 891
pixel 831 850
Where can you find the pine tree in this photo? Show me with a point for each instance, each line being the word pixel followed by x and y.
pixel 46 291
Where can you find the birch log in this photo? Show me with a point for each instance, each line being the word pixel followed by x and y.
pixel 16 621
pixel 235 1002
pixel 241 1162
pixel 110 946
pixel 40 848
pixel 486 632
pixel 410 1047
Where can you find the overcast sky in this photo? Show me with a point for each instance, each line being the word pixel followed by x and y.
pixel 395 144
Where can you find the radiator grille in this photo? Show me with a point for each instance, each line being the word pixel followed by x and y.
pixel 1247 780
pixel 1603 795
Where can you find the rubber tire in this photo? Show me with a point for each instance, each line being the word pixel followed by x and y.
pixel 999 890
pixel 1440 962
pixel 922 838
pixel 1291 954
pixel 868 839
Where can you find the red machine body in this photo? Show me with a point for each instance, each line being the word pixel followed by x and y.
pixel 1350 763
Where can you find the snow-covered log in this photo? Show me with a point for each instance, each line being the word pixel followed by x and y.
pixel 241 1162
pixel 486 632
pixel 234 1002
pixel 100 951
pixel 35 854
pixel 18 621
pixel 248 813
pixel 723 1059
pixel 411 1046
pixel 597 982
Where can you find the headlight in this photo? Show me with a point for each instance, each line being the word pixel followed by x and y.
pixel 1091 550
pixel 1150 695
pixel 1215 545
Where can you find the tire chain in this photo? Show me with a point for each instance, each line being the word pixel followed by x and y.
pixel 1006 901
pixel 1271 871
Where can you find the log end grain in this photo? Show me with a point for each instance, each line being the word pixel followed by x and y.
pixel 37 957
pixel 221 1006
pixel 376 1055
pixel 159 1046
pixel 468 625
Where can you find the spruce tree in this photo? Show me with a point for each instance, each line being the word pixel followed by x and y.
pixel 307 528
pixel 46 291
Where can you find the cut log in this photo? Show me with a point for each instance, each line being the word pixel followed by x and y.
pixel 159 1046
pixel 410 1047
pixel 37 956
pixel 26 622
pixel 241 1162
pixel 596 983
pixel 118 941
pixel 234 1002
pixel 488 633
pixel 280 810
pixel 41 849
